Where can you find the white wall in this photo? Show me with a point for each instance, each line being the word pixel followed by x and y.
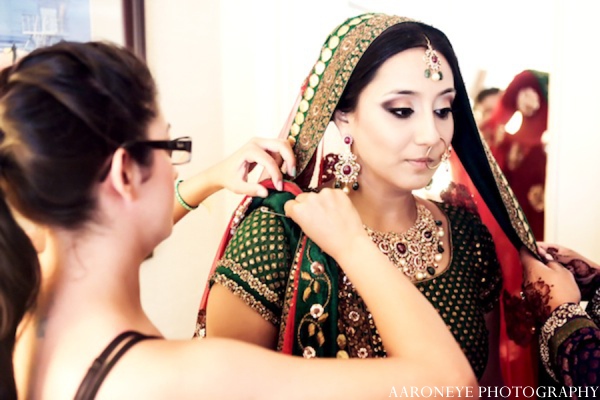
pixel 500 37
pixel 228 70
pixel 573 186
pixel 106 20
pixel 183 51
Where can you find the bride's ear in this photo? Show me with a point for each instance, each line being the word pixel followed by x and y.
pixel 341 120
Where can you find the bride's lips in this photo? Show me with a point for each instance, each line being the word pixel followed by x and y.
pixel 420 162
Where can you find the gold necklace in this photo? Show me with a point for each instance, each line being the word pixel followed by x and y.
pixel 417 251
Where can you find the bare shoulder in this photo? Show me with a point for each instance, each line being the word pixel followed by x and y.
pixel 159 369
pixel 228 369
pixel 182 369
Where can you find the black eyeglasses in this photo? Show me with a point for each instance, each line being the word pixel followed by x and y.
pixel 179 149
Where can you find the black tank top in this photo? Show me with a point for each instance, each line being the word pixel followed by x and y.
pixel 106 361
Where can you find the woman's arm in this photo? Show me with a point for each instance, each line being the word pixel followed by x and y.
pixel 248 285
pixel 569 339
pixel 232 173
pixel 423 357
pixel 229 369
pixel 422 354
pixel 332 222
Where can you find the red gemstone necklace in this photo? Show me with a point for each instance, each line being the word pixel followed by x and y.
pixel 416 252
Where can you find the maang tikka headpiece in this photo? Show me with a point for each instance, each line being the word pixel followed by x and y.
pixel 433 63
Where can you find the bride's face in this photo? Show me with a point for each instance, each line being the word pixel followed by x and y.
pixel 398 116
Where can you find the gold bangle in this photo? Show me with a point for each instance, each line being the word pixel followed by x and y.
pixel 180 199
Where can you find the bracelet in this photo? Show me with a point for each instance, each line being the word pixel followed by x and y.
pixel 593 307
pixel 180 199
pixel 559 317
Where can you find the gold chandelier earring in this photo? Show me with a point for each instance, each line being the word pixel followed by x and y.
pixel 443 159
pixel 346 168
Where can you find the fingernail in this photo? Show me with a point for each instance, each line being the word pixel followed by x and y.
pixel 279 186
pixel 293 172
pixel 549 257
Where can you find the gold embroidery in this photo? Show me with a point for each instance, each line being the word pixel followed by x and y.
pixel 238 215
pixel 315 317
pixel 559 317
pixel 250 300
pixel 250 279
pixel 341 52
pixel 289 292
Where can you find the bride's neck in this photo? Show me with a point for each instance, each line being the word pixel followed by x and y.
pixel 385 211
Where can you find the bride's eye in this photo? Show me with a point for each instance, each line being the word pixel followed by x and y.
pixel 402 112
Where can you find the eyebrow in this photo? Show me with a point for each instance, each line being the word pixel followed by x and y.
pixel 412 92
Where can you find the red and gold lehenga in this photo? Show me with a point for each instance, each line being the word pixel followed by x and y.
pixel 268 262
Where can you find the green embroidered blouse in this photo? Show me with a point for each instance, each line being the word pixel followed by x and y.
pixel 258 259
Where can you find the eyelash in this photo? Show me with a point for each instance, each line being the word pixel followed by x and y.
pixel 443 113
pixel 402 112
pixel 405 112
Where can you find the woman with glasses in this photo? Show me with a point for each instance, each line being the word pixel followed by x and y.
pixel 85 152
pixel 231 173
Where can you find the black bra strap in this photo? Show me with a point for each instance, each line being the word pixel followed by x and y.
pixel 105 362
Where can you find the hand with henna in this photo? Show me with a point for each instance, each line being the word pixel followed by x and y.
pixel 546 286
pixel 585 271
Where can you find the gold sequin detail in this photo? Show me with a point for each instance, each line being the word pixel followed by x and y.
pixel 257 259
pixel 461 294
pixel 249 278
pixel 250 300
pixel 340 56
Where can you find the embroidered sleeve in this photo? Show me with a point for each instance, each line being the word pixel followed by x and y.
pixel 569 346
pixel 256 264
pixel 578 358
pixel 487 266
pixel 593 307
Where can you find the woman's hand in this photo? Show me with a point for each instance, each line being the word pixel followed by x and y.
pixel 563 255
pixel 232 173
pixel 547 286
pixel 328 218
pixel 585 271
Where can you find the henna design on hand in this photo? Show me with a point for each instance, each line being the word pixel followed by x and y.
pixel 537 299
pixel 581 270
pixel 553 251
pixel 520 326
pixel 586 276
